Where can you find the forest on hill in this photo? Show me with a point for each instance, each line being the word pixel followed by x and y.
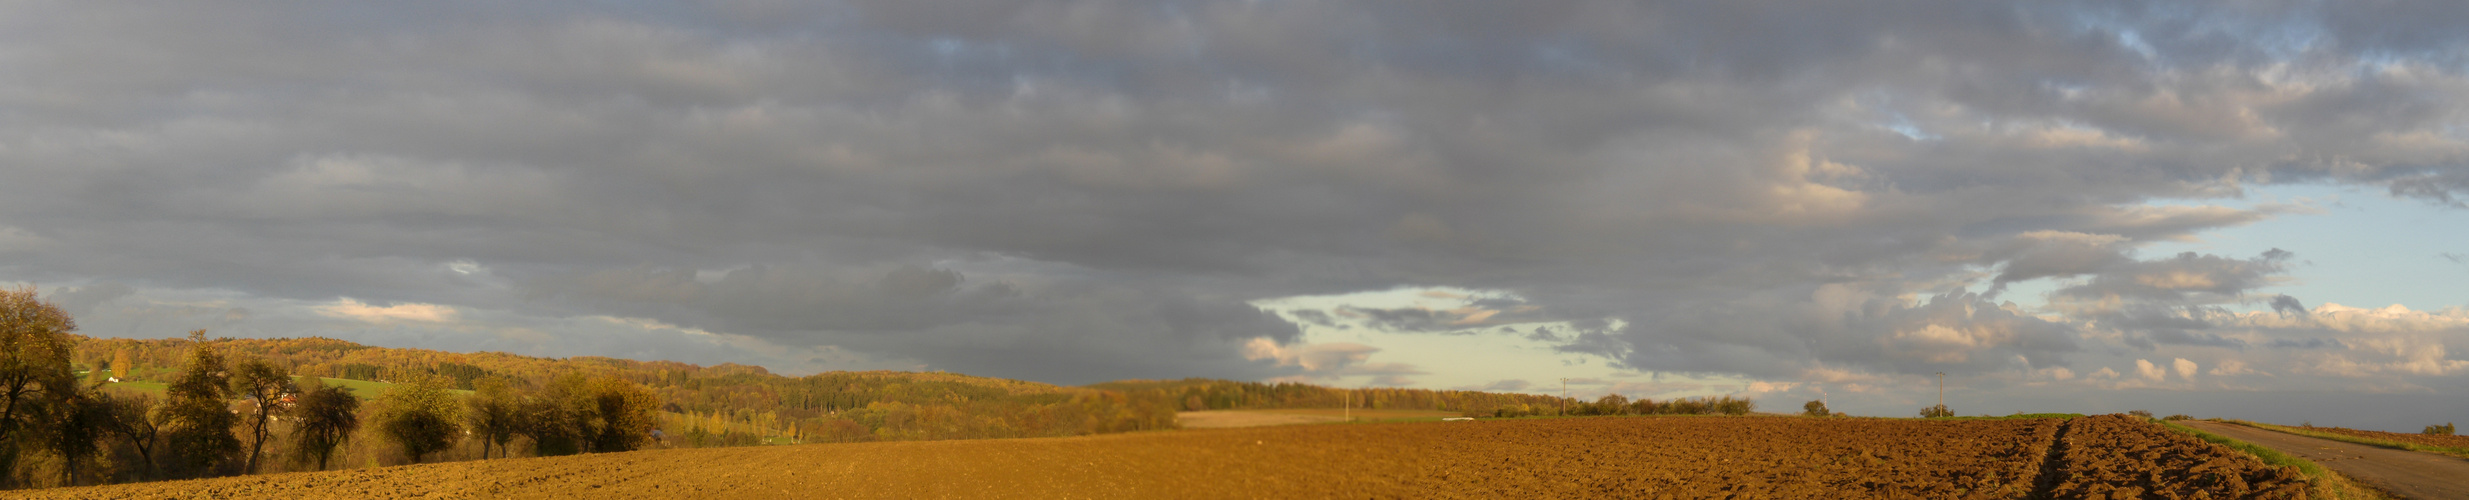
pixel 83 410
pixel 740 404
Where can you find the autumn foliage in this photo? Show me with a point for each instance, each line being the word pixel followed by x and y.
pixel 201 407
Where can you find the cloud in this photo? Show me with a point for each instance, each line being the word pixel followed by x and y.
pixel 1083 190
pixel 1509 385
pixel 1330 362
pixel 2185 369
pixel 2285 304
pixel 83 300
pixel 346 308
pixel 2232 367
pixel 2386 357
pixel 2149 371
pixel 2061 373
pixel 2187 278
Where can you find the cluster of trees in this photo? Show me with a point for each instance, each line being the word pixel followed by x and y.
pixel 1197 394
pixel 2439 430
pixel 1940 411
pixel 1615 404
pixel 723 405
pixel 218 414
pixel 180 408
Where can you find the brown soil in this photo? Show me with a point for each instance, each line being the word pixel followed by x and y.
pixel 1650 457
pixel 2118 456
pixel 1221 419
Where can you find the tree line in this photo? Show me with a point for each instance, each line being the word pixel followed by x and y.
pixel 219 413
pixel 1195 394
pixel 199 407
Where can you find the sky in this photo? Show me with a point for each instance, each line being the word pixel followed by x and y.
pixel 2250 209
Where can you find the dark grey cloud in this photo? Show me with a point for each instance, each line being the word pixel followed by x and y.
pixel 1785 336
pixel 1086 189
pixel 2187 278
pixel 2285 304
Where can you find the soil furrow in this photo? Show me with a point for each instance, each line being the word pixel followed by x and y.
pixel 2052 464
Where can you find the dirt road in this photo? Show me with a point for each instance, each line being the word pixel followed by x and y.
pixel 2407 474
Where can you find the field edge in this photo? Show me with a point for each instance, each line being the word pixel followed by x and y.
pixel 2380 443
pixel 2324 482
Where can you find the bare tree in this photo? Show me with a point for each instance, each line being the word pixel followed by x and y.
pixel 133 418
pixel 78 424
pixel 263 387
pixel 493 414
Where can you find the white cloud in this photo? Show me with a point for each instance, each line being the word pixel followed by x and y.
pixel 2392 319
pixel 2149 371
pixel 347 308
pixel 2388 357
pixel 2186 369
pixel 2058 373
pixel 1329 361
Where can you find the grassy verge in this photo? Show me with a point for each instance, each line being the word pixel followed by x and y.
pixel 2385 443
pixel 2326 484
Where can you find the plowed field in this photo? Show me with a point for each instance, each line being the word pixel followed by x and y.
pixel 2117 456
pixel 1777 457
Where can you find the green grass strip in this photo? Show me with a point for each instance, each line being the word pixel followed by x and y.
pixel 2320 479
pixel 2383 443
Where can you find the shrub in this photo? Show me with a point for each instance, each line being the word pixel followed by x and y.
pixel 1729 406
pixel 2440 430
pixel 1938 411
pixel 1612 404
pixel 2178 417
pixel 2140 413
pixel 1815 409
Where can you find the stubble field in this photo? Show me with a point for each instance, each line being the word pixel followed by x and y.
pixel 1682 457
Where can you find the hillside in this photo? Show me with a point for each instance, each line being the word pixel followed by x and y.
pixel 738 404
pixel 722 399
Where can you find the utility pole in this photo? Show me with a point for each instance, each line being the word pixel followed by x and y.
pixel 1564 396
pixel 1941 390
